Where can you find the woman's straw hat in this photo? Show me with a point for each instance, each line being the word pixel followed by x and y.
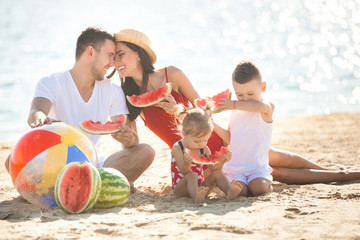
pixel 137 38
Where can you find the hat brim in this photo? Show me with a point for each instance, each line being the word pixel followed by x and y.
pixel 120 37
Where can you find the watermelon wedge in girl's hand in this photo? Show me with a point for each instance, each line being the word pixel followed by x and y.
pixel 211 160
pixel 150 98
pixel 201 102
pixel 98 128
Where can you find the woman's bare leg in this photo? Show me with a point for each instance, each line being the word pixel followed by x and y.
pixel 280 158
pixel 306 176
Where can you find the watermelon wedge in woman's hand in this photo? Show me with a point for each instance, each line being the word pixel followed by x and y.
pixel 150 98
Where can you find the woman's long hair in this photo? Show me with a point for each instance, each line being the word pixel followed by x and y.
pixel 128 84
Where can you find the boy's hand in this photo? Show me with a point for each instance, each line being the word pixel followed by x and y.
pixel 225 104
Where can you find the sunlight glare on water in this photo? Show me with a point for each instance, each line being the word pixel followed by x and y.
pixel 308 51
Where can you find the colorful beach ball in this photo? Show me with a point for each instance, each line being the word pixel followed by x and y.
pixel 39 156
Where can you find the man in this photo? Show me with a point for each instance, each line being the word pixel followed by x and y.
pixel 83 93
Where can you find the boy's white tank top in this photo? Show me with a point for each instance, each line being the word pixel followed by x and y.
pixel 250 140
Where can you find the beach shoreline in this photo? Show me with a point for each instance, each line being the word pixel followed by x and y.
pixel 313 211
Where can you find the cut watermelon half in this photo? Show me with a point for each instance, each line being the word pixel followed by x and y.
pixel 150 98
pixel 211 160
pixel 77 187
pixel 98 128
pixel 201 102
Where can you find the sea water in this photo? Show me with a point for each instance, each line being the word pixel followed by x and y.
pixel 308 51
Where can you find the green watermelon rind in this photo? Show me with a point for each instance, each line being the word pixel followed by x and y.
pixel 86 128
pixel 95 188
pixel 214 157
pixel 159 99
pixel 115 190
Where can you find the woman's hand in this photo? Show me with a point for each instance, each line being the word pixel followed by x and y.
pixel 169 105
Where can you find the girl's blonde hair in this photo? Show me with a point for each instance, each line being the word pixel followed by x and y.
pixel 194 122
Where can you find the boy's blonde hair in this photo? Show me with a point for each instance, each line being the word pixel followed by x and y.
pixel 194 122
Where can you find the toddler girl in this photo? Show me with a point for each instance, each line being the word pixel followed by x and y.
pixel 187 177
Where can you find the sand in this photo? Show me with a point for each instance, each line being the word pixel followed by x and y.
pixel 313 211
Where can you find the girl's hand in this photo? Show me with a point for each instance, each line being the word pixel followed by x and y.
pixel 225 104
pixel 219 165
pixel 168 104
pixel 187 158
pixel 227 156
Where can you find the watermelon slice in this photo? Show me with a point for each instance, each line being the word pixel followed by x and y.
pixel 201 102
pixel 150 98
pixel 211 160
pixel 77 187
pixel 98 128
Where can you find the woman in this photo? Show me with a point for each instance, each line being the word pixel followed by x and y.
pixel 134 61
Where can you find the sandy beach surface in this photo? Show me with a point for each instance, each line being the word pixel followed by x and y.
pixel 313 211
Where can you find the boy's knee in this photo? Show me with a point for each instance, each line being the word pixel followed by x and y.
pixel 261 187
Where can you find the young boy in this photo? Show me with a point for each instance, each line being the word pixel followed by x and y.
pixel 250 131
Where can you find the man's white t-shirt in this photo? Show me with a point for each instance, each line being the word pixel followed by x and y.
pixel 68 106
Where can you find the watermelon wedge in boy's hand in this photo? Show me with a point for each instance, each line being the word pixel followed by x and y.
pixel 211 160
pixel 150 98
pixel 98 128
pixel 201 102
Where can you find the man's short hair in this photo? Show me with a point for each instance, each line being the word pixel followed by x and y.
pixel 92 36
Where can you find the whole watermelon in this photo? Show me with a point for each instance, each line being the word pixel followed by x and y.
pixel 77 187
pixel 115 189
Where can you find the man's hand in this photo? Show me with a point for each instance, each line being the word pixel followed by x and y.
pixel 125 135
pixel 42 121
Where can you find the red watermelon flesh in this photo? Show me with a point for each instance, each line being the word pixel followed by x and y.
pixel 100 129
pixel 150 98
pixel 77 187
pixel 211 160
pixel 201 102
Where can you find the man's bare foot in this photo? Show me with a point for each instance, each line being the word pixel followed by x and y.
pixel 201 194
pixel 235 189
pixel 132 188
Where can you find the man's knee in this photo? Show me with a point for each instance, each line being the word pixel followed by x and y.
pixel 147 152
